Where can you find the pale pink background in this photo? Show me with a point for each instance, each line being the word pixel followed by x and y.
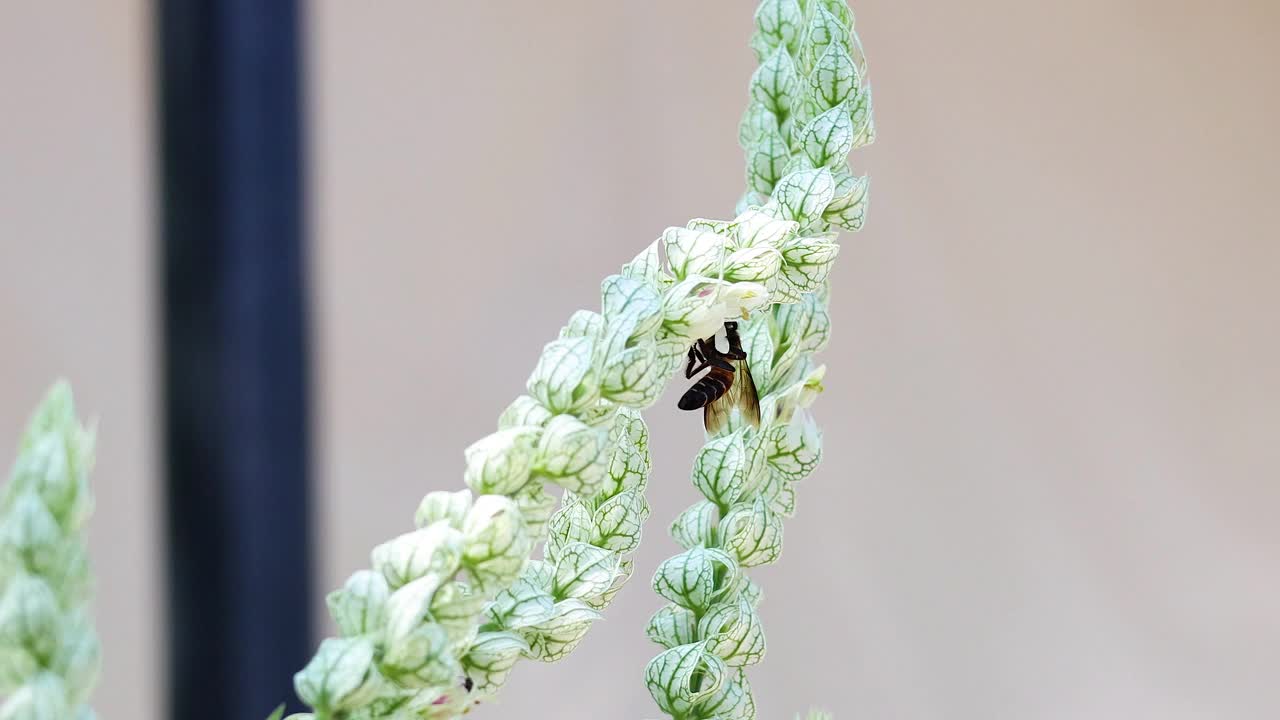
pixel 1053 410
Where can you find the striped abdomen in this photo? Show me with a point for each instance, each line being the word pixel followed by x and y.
pixel 708 389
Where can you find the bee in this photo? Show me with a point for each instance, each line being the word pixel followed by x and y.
pixel 727 384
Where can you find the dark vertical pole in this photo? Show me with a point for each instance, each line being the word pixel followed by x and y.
pixel 235 364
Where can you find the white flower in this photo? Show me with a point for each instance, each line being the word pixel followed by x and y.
pixel 741 298
pixel 708 302
pixel 801 395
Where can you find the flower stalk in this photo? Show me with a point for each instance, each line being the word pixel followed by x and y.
pixel 809 108
pixel 49 653
pixel 444 612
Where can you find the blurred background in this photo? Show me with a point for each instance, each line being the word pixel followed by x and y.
pixel 1052 416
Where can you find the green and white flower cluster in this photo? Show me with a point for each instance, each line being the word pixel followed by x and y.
pixel 809 109
pixel 459 597
pixel 445 611
pixel 49 651
pixel 746 475
pixel 810 106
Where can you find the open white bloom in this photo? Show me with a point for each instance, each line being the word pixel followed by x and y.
pixel 701 305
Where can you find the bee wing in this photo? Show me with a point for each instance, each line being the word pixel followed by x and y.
pixel 744 394
pixel 715 415
pixel 741 395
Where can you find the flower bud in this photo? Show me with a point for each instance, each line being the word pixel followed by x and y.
pixel 451 507
pixel 435 549
pixel 30 617
pixel 566 379
pixel 669 677
pixel 559 635
pixel 43 698
pixel 500 462
pixel 693 252
pixel 496 544
pixel 360 606
pixel 524 410
pixel 491 658
pixel 337 675
pixel 571 454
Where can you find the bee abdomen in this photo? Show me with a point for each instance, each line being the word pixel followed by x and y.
pixel 705 391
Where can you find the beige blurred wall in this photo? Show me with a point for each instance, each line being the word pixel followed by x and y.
pixel 1052 412
pixel 75 288
pixel 1053 473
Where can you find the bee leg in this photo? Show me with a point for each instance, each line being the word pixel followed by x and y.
pixel 735 342
pixel 699 357
pixel 688 369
